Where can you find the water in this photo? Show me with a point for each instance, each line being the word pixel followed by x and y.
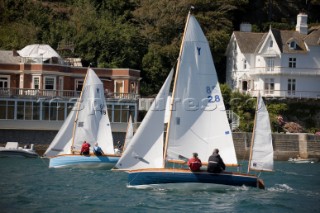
pixel 27 185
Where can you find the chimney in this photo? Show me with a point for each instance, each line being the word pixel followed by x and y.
pixel 302 26
pixel 15 53
pixel 245 27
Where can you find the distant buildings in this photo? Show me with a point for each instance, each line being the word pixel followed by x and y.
pixel 38 89
pixel 278 63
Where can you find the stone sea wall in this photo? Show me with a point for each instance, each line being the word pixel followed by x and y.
pixel 285 145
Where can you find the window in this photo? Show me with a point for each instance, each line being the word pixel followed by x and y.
pixel 244 64
pixel 291 86
pixel 269 64
pixel 292 45
pixel 35 82
pixel 78 85
pixel 4 82
pixel 269 86
pixel 271 43
pixel 118 88
pixel 292 62
pixel 49 83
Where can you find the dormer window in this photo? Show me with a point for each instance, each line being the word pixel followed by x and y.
pixel 292 45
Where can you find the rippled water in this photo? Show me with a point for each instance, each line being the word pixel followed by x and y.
pixel 27 185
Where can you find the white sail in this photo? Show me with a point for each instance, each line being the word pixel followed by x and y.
pixel 61 143
pixel 199 121
pixel 146 147
pixel 92 122
pixel 129 133
pixel 262 149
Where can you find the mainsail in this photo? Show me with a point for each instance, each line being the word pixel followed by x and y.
pixel 261 157
pixel 198 122
pixel 129 134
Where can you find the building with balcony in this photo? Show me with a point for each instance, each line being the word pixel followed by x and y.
pixel 38 89
pixel 278 63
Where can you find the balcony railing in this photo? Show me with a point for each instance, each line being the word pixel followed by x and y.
pixel 284 70
pixel 64 94
pixel 285 94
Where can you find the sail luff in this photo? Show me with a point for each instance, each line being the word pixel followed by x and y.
pixel 77 114
pixel 174 90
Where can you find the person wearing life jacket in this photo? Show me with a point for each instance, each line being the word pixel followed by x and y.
pixel 194 163
pixel 215 162
pixel 85 149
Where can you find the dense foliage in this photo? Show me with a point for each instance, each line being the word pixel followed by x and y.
pixel 139 34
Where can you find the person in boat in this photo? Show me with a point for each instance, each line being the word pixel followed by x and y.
pixel 194 163
pixel 215 162
pixel 97 150
pixel 85 149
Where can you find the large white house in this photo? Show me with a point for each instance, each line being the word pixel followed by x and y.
pixel 279 63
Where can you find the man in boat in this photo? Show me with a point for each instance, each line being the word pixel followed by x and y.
pixel 85 149
pixel 215 162
pixel 194 163
pixel 97 150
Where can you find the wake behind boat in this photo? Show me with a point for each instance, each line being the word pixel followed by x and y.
pixel 89 122
pixel 198 124
pixel 12 149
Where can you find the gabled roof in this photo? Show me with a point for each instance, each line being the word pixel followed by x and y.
pixel 284 37
pixel 248 42
pixel 313 38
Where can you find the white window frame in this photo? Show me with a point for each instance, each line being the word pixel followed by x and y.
pixel 270 64
pixel 8 81
pixel 292 63
pixel 77 83
pixel 269 85
pixel 33 81
pixel 54 82
pixel 292 86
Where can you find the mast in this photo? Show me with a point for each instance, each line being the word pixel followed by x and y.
pixel 253 132
pixel 78 108
pixel 174 88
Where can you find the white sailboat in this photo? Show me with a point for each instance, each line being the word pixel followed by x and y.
pixel 197 123
pixel 89 122
pixel 261 155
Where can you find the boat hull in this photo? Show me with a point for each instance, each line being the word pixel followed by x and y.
pixel 177 176
pixel 80 161
pixel 18 153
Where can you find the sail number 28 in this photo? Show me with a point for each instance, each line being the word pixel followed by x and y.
pixel 211 99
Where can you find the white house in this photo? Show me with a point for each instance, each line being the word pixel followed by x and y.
pixel 279 63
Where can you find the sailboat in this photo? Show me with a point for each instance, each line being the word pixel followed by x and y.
pixel 197 123
pixel 88 121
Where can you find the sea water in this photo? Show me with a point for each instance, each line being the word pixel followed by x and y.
pixel 28 185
